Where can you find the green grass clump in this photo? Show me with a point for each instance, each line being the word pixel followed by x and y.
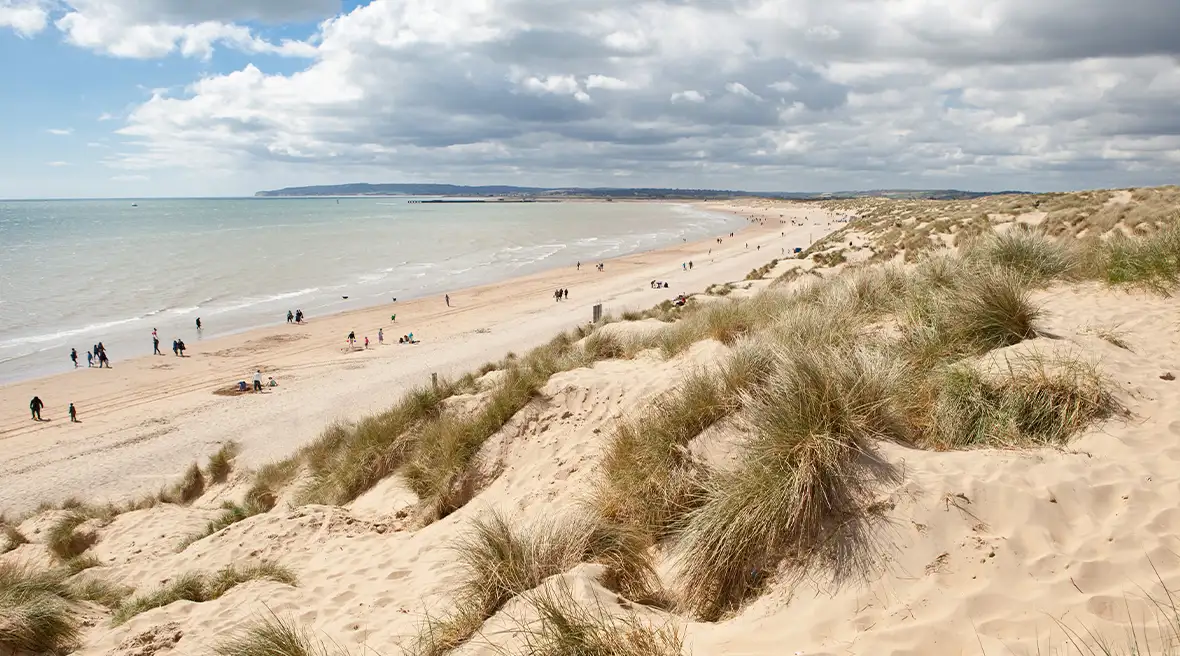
pixel 188 489
pixel 65 541
pixel 221 463
pixel 201 586
pixel 82 563
pixel 1151 261
pixel 564 628
pixel 1036 403
pixel 13 538
pixel 100 592
pixel 1037 257
pixel 499 562
pixel 36 613
pixel 802 482
pixel 984 310
pixel 272 636
pixel 348 461
pixel 441 469
pixel 646 479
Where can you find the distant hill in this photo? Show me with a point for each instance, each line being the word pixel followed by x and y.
pixel 365 189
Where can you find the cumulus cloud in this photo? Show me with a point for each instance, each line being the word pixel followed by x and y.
pixel 25 17
pixel 61 132
pixel 145 29
pixel 766 93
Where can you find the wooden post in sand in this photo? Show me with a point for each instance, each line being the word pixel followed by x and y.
pixel 434 381
pixel 598 313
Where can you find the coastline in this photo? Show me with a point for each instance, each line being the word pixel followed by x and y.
pixel 146 419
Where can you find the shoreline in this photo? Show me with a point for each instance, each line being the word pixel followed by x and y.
pixel 146 419
pixel 229 307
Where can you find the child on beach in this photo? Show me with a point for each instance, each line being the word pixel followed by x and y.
pixel 89 359
pixel 74 357
pixel 73 414
pixel 381 336
pixel 35 405
pixel 366 342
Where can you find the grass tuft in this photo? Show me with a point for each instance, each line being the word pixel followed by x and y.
pixel 500 562
pixel 1034 403
pixel 222 462
pixel 564 627
pixel 646 479
pixel 1036 257
pixel 36 613
pixel 800 487
pixel 347 461
pixel 13 538
pixel 100 592
pixel 273 636
pixel 442 468
pixel 65 541
pixel 200 587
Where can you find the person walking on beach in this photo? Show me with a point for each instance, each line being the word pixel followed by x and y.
pixel 176 347
pixel 290 316
pixel 73 414
pixel 351 338
pixel 198 324
pixel 180 345
pixel 448 297
pixel 565 293
pixel 156 345
pixel 258 380
pixel 74 357
pixel 579 266
pixel 381 336
pixel 35 405
pixel 366 342
pixel 89 359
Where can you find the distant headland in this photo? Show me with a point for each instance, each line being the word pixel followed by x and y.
pixel 506 193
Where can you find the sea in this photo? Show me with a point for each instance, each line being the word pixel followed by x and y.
pixel 77 272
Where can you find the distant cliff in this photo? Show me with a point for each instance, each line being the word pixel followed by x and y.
pixel 365 189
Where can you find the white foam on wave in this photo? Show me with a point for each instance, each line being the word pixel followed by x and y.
pixel 64 334
pixel 251 302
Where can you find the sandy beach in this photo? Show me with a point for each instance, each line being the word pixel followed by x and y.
pixel 145 419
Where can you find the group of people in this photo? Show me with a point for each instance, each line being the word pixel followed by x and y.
pixel 404 339
pixel 177 345
pixel 36 405
pixel 270 382
pixel 295 317
pixel 561 294
pixel 687 266
pixel 99 353
pixel 659 284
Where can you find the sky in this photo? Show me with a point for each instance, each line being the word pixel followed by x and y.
pixel 140 98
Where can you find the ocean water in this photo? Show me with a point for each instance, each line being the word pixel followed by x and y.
pixel 73 273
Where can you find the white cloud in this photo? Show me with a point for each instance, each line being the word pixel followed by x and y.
pixel 739 89
pixel 606 82
pixel 1002 93
pixel 129 178
pixel 155 28
pixel 105 116
pixel 25 17
pixel 61 132
pixel 691 95
pixel 57 163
